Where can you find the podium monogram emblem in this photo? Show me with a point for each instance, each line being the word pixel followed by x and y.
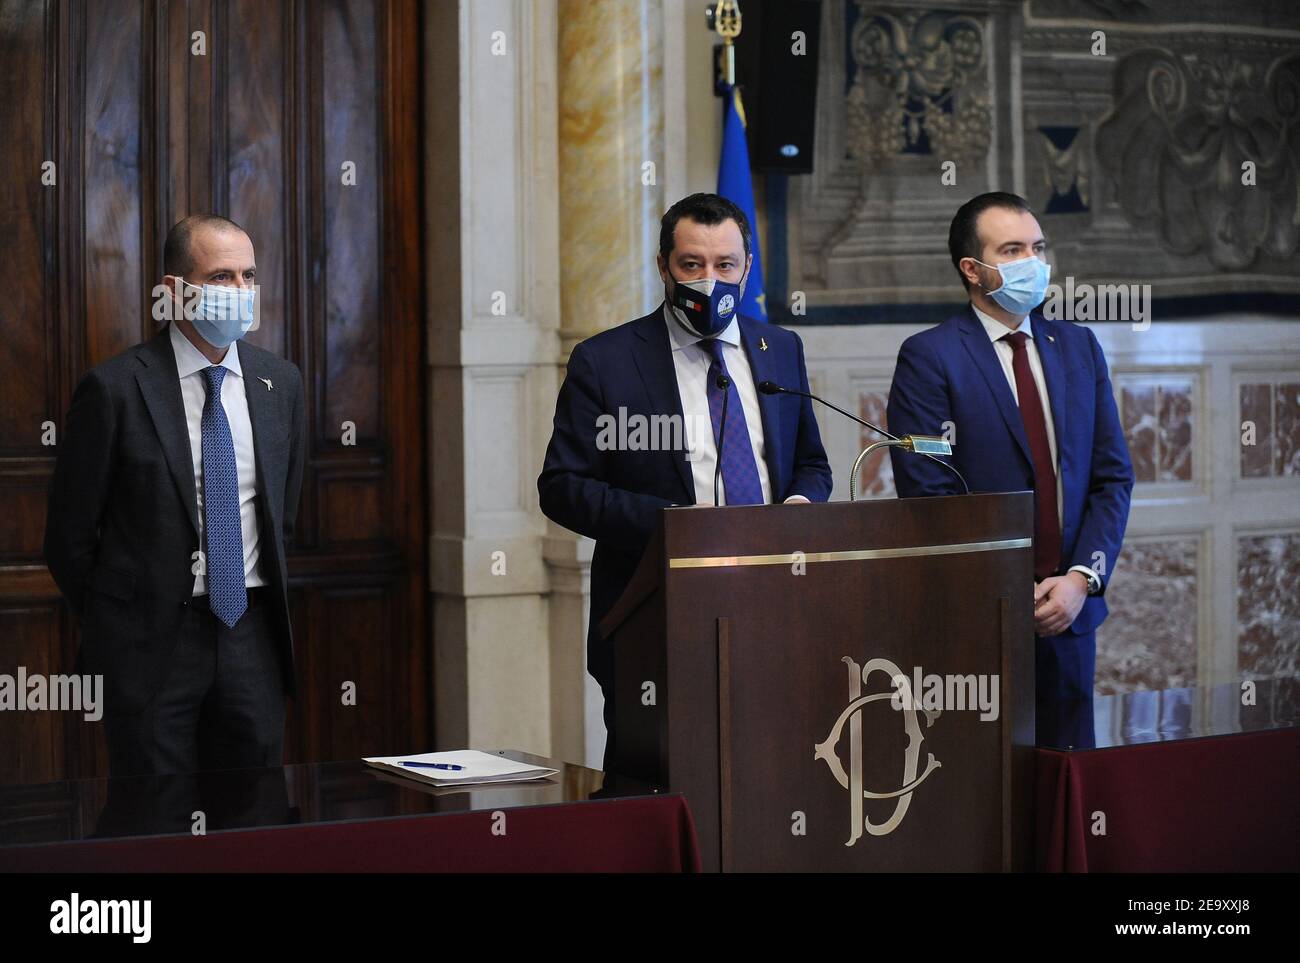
pixel 852 780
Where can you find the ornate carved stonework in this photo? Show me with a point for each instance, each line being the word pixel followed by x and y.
pixel 917 86
pixel 1129 150
pixel 1180 144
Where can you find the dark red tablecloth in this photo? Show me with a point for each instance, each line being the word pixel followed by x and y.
pixel 1219 804
pixel 639 835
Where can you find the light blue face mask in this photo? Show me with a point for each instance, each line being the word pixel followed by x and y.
pixel 1024 284
pixel 223 314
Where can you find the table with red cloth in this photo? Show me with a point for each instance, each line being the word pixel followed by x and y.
pixel 345 817
pixel 1179 780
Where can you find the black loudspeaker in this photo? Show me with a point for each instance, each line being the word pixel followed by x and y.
pixel 776 70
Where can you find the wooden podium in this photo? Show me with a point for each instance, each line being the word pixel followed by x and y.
pixel 756 655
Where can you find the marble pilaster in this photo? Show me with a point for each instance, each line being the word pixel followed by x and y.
pixel 611 136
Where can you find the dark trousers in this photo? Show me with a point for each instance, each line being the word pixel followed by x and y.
pixel 1064 668
pixel 221 705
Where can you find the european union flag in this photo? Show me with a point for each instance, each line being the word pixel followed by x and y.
pixel 735 185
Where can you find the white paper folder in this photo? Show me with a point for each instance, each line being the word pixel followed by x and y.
pixel 480 768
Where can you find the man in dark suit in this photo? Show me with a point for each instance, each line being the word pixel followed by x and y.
pixel 1029 404
pixel 667 366
pixel 172 503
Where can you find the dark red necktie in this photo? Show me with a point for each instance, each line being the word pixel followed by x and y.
pixel 1047 527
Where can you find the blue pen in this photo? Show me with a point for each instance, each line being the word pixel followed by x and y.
pixel 433 765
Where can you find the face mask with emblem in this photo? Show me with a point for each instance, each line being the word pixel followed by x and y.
pixel 706 306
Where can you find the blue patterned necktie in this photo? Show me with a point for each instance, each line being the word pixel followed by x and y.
pixel 739 470
pixel 224 565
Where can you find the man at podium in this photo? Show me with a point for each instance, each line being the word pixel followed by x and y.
pixel 1030 407
pixel 646 406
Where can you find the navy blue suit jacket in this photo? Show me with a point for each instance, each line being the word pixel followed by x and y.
pixel 951 373
pixel 615 496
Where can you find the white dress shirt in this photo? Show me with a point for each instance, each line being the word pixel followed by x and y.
pixel 691 362
pixel 190 363
pixel 997 331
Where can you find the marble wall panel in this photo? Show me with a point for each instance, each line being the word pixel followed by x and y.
pixel 1286 429
pixel 876 479
pixel 1137 406
pixel 1271 404
pixel 1255 407
pixel 1268 606
pixel 1149 641
pixel 1159 421
pixel 1175 427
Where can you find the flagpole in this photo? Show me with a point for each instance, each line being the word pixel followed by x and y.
pixel 725 20
pixel 734 179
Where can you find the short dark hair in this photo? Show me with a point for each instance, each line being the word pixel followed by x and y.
pixel 177 260
pixel 708 209
pixel 963 238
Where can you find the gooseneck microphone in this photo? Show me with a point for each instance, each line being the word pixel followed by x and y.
pixel 772 388
pixel 724 385
pixel 916 444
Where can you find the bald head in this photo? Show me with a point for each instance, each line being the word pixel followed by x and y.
pixel 197 231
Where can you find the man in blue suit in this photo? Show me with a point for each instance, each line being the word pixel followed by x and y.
pixel 644 405
pixel 1029 406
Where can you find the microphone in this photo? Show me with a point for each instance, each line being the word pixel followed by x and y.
pixel 771 388
pixel 724 384
pixel 925 445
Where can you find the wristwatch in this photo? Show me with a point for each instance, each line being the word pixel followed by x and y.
pixel 1094 580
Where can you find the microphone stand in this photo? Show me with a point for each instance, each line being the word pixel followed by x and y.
pixel 925 445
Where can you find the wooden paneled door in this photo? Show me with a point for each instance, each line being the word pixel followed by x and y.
pixel 300 121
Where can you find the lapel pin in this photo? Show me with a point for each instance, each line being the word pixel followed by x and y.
pixel 267 381
pixel 1051 339
pixel 762 344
